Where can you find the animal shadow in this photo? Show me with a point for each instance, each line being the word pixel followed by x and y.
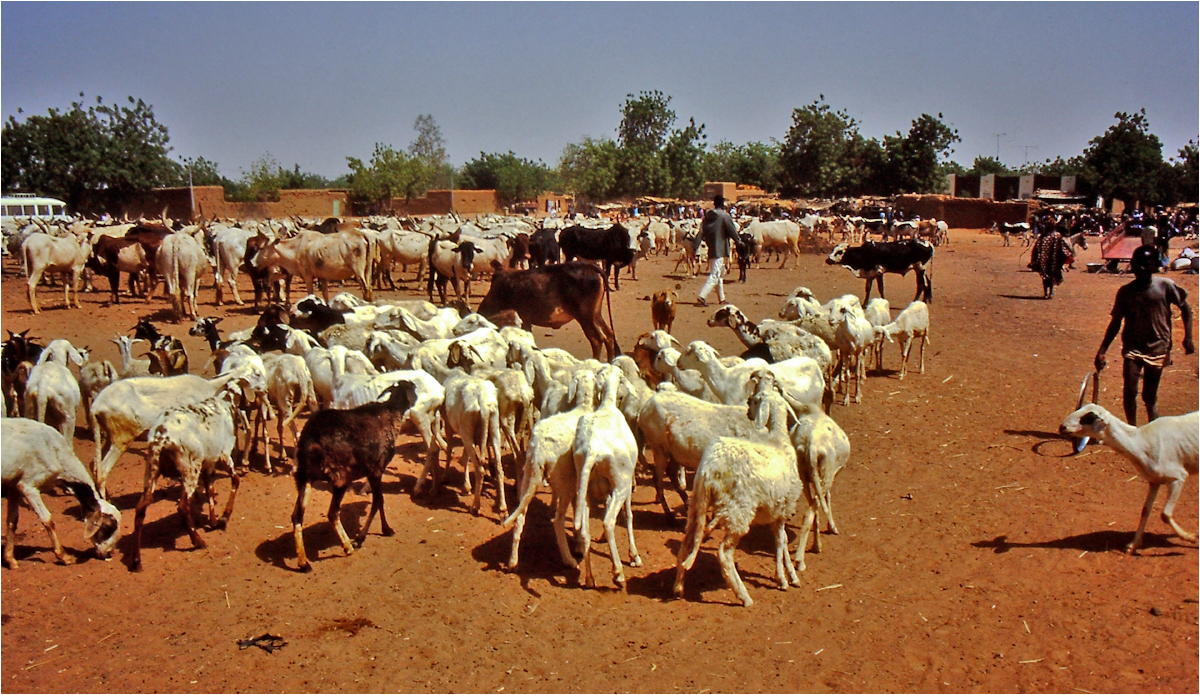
pixel 1022 296
pixel 1094 542
pixel 319 535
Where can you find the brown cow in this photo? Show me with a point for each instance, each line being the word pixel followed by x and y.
pixel 553 296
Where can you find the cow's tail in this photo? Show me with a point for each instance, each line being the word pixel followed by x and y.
pixel 611 325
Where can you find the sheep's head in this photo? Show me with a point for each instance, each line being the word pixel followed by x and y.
pixel 1090 420
pixel 102 528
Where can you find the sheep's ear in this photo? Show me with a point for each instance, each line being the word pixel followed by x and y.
pixel 529 372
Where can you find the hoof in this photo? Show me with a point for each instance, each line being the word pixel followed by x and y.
pixel 305 568
pixel 387 532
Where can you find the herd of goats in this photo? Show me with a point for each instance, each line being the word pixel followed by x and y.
pixel 753 430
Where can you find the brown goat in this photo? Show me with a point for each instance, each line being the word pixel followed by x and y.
pixel 662 309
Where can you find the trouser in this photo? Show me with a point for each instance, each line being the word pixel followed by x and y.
pixel 1150 376
pixel 716 270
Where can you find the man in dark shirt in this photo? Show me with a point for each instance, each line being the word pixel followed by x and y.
pixel 1144 306
pixel 717 229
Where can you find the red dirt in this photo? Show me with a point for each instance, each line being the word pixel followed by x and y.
pixel 974 554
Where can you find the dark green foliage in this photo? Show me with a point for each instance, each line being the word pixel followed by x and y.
pixel 514 179
pixel 97 157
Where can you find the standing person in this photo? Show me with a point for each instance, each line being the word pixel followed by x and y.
pixel 1144 305
pixel 716 229
pixel 1050 253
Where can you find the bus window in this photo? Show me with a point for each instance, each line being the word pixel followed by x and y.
pixel 57 209
pixel 43 210
pixel 27 210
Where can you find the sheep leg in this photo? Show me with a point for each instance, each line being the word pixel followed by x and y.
pixel 302 496
pixel 612 509
pixel 1146 509
pixel 185 508
pixel 659 494
pixel 904 352
pixel 561 501
pixel 635 558
pixel 583 535
pixel 210 493
pixel 335 518
pixel 729 568
pixel 494 447
pixel 472 459
pixel 234 482
pixel 10 530
pixel 809 524
pixel 376 506
pixel 923 340
pixel 782 559
pixel 1173 489
pixel 140 515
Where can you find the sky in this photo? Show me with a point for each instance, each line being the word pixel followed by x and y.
pixel 313 83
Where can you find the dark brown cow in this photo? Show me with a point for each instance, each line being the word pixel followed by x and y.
pixel 554 296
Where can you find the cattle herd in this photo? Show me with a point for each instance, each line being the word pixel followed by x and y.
pixel 741 439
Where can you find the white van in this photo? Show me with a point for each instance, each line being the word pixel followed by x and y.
pixel 21 207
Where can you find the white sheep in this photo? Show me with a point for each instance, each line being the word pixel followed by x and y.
pixel 854 335
pixel 910 324
pixel 35 457
pixel 1164 452
pixel 606 454
pixel 93 378
pixel 127 408
pixel 742 483
pixel 52 397
pixel 290 389
pixel 878 313
pixel 688 381
pixel 822 450
pixel 471 411
pixel 550 460
pixel 188 441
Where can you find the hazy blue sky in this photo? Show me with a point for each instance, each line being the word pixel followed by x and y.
pixel 313 83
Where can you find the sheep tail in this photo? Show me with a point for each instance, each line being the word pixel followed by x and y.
pixel 299 406
pixel 693 535
pixel 585 476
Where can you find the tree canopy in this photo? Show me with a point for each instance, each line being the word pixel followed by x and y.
pixel 514 179
pixel 101 155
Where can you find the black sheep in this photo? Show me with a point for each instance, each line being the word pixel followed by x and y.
pixel 341 446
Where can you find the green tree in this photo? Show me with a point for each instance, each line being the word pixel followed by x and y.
pixel 391 174
pixel 817 155
pixel 754 164
pixel 514 179
pixel 101 156
pixel 914 161
pixel 1187 181
pixel 645 121
pixel 589 168
pixel 429 144
pixel 683 158
pixel 1126 162
pixel 987 165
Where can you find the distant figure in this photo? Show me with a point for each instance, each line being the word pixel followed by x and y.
pixel 717 229
pixel 1050 253
pixel 1144 305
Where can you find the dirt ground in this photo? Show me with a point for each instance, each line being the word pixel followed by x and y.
pixel 975 555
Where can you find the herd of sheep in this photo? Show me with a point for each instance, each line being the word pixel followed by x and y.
pixel 753 430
